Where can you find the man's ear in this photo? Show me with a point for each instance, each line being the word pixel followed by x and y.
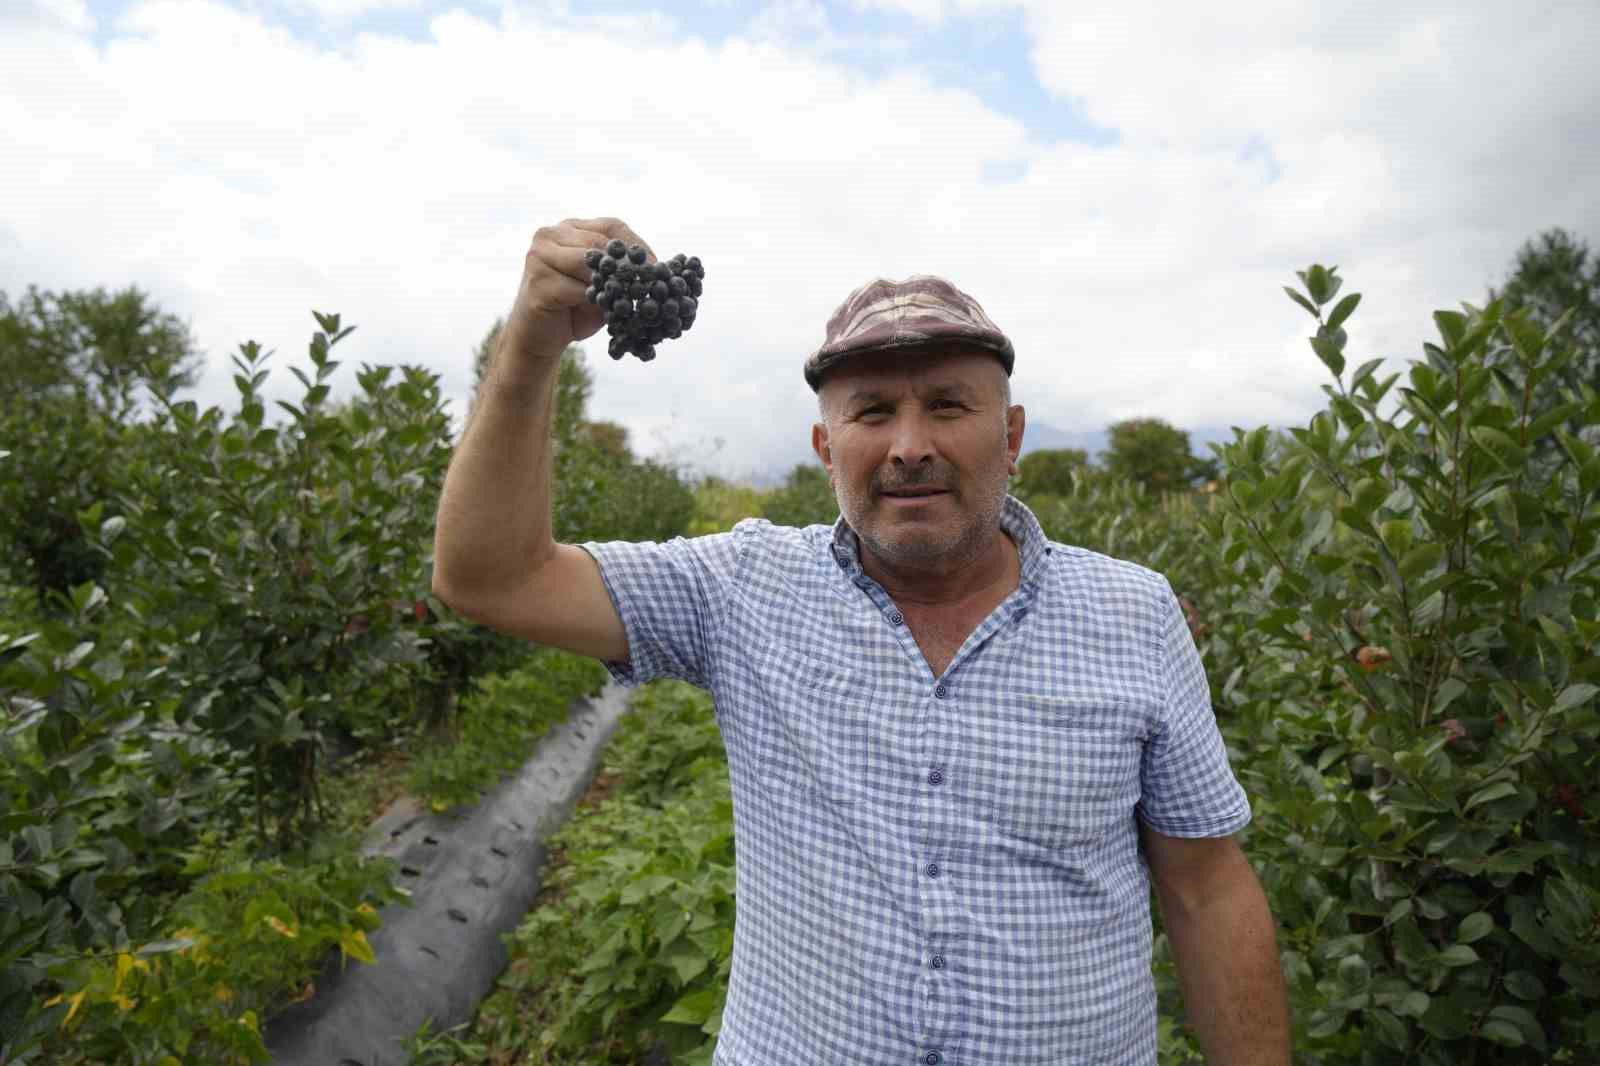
pixel 1016 422
pixel 821 445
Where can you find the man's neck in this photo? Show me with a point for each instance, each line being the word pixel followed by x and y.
pixel 951 583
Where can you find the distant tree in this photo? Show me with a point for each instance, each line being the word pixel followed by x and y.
pixel 73 365
pixel 805 498
pixel 100 347
pixel 608 437
pixel 721 504
pixel 1152 452
pixel 1049 472
pixel 1552 274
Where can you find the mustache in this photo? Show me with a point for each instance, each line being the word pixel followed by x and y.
pixel 913 479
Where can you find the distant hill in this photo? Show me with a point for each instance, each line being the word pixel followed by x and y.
pixel 1041 436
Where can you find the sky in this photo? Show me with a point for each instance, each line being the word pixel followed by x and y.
pixel 1124 186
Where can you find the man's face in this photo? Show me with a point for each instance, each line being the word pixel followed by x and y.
pixel 918 450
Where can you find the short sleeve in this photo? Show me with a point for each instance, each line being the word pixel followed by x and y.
pixel 1188 788
pixel 672 598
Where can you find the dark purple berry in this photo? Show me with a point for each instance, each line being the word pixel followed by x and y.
pixel 688 305
pixel 649 310
pixel 638 291
pixel 627 272
pixel 592 257
pixel 616 248
pixel 677 286
pixel 646 353
pixel 694 286
pixel 669 309
pixel 591 294
pixel 607 267
pixel 693 265
pixel 661 271
pixel 637 253
pixel 659 291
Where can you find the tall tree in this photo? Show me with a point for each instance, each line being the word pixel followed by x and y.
pixel 99 346
pixel 1553 274
pixel 1152 452
pixel 73 364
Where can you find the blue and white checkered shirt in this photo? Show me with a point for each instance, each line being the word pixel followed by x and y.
pixel 935 870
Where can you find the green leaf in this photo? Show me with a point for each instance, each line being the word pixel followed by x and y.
pixel 1524 1019
pixel 694 1007
pixel 1502 1032
pixel 1301 300
pixel 1458 955
pixel 1343 310
pixel 1498 790
pixel 1452 326
pixel 1575 696
pixel 1329 353
pixel 1524 985
pixel 1474 927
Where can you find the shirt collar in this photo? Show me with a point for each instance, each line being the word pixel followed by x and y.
pixel 1015 518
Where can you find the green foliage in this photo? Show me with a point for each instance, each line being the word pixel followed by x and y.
pixel 1049 472
pixel 261 602
pixel 1153 453
pixel 1553 279
pixel 100 788
pixel 601 491
pixel 499 723
pixel 281 581
pixel 1419 725
pixel 720 505
pixel 246 939
pixel 73 364
pixel 636 948
pixel 805 498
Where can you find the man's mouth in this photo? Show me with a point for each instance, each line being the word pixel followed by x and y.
pixel 913 492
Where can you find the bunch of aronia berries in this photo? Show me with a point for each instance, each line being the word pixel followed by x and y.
pixel 645 303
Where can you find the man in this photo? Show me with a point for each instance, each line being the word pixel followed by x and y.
pixel 956 748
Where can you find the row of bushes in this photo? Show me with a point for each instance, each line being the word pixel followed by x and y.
pixel 1397 605
pixel 254 609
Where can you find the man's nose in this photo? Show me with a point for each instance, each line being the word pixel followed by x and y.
pixel 913 443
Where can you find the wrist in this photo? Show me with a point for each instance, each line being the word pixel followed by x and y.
pixel 523 359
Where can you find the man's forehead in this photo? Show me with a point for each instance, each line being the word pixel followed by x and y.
pixel 960 370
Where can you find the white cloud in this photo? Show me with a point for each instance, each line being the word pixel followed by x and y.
pixel 245 176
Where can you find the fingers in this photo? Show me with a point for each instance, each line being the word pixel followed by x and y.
pixel 607 229
pixel 562 248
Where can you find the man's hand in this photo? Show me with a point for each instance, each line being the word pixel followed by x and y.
pixel 550 311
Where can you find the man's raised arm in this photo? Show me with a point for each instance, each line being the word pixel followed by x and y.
pixel 495 558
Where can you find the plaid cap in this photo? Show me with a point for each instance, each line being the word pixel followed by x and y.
pixel 920 311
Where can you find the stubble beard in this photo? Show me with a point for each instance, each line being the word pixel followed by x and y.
pixel 918 548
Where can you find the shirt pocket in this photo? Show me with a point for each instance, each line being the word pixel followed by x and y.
pixel 815 735
pixel 1069 774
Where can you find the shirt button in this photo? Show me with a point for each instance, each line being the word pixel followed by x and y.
pixel 933 869
pixel 933 1058
pixel 896 618
pixel 940 691
pixel 938 962
pixel 936 777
